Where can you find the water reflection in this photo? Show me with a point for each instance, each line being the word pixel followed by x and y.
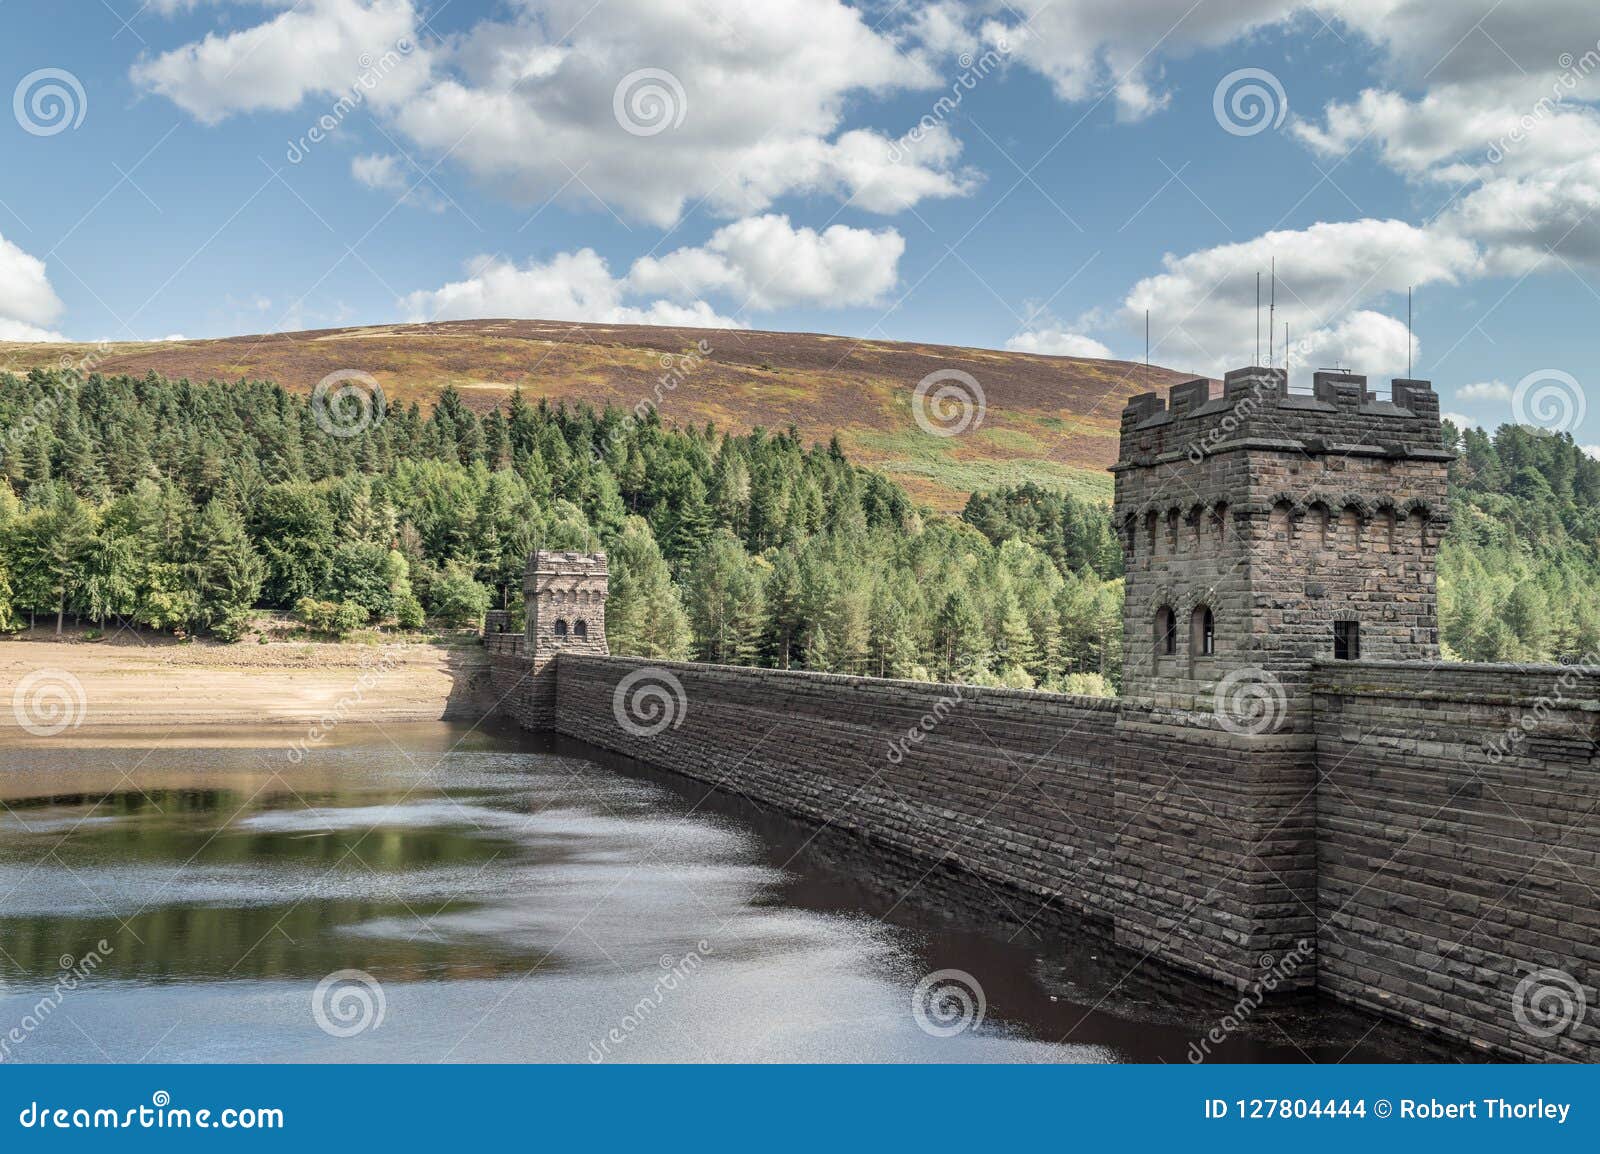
pixel 520 900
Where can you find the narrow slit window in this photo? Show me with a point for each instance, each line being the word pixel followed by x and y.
pixel 1346 640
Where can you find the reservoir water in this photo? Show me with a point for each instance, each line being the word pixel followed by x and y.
pixel 439 893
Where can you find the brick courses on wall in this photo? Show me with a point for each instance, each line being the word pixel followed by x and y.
pixel 1453 863
pixel 1009 785
pixel 1214 862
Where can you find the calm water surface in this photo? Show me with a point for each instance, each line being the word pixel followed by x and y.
pixel 523 899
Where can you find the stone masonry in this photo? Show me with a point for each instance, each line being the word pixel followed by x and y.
pixel 1291 770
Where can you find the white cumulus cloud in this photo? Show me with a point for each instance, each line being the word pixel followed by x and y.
pixel 764 262
pixel 548 98
pixel 362 49
pixel 1484 391
pixel 1202 305
pixel 27 302
pixel 1057 342
pixel 758 263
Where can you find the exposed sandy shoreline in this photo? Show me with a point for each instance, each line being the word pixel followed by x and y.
pixel 77 685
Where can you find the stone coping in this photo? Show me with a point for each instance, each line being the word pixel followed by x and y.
pixel 936 688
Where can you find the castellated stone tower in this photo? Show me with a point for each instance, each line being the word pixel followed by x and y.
pixel 1264 529
pixel 565 596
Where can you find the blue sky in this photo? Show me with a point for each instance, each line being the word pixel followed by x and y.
pixel 201 168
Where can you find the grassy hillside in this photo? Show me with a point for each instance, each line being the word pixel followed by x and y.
pixel 1052 420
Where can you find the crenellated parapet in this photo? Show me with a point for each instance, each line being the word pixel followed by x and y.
pixel 1254 407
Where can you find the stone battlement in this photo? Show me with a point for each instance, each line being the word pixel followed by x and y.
pixel 565 563
pixel 1255 409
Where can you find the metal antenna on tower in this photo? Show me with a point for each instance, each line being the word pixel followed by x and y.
pixel 1272 310
pixel 1258 316
pixel 1147 348
pixel 1285 355
pixel 1408 332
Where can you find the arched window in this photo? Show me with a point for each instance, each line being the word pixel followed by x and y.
pixel 1166 631
pixel 561 627
pixel 1202 632
pixel 580 628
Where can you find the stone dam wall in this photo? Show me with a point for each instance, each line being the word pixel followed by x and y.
pixel 1415 860
pixel 1458 847
pixel 1008 785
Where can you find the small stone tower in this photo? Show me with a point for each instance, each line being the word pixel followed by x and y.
pixel 1264 529
pixel 565 596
